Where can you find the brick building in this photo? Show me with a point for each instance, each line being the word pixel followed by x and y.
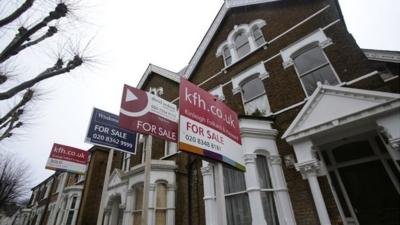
pixel 54 201
pixel 319 121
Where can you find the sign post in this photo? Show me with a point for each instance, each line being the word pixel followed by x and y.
pixel 105 183
pixel 148 114
pixel 104 131
pixel 208 127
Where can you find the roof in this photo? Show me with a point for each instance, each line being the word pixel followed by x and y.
pixel 382 55
pixel 158 70
pixel 321 111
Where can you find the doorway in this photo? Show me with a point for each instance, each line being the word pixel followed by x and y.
pixel 365 180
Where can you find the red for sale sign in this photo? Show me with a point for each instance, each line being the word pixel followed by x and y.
pixel 148 114
pixel 66 158
pixel 208 127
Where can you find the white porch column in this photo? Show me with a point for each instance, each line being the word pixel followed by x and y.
pixel 151 212
pixel 309 168
pixel 210 203
pixel 171 204
pixel 285 205
pixel 309 171
pixel 128 212
pixel 253 190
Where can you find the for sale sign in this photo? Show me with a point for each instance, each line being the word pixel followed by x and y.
pixel 66 158
pixel 148 114
pixel 104 131
pixel 208 127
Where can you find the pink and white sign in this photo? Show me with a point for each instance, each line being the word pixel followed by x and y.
pixel 208 127
pixel 66 158
pixel 148 114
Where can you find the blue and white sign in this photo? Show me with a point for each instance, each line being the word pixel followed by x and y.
pixel 104 131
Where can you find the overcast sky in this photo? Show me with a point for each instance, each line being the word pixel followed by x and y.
pixel 126 37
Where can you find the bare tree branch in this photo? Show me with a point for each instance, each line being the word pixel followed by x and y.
pixel 17 13
pixel 50 32
pixel 27 97
pixel 57 69
pixel 14 179
pixel 25 34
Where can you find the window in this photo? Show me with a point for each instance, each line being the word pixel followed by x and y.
pixel 312 67
pixel 126 161
pixel 71 211
pixel 218 92
pixel 137 210
pixel 242 45
pixel 267 194
pixel 170 148
pixel 161 204
pixel 236 198
pixel 253 95
pixel 242 40
pixel 258 36
pixel 227 56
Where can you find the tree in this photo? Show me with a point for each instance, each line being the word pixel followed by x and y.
pixel 32 33
pixel 14 180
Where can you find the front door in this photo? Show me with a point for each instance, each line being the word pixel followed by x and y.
pixel 366 181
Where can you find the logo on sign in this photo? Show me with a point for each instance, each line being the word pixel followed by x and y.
pixel 148 114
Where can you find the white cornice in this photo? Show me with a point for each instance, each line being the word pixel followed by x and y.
pixel 381 102
pixel 382 55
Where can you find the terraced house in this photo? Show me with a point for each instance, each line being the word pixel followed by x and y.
pixel 54 201
pixel 319 120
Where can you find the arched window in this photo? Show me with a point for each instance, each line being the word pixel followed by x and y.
pixel 138 206
pixel 267 190
pixel 227 56
pixel 161 204
pixel 258 36
pixel 242 45
pixel 236 198
pixel 242 40
pixel 313 66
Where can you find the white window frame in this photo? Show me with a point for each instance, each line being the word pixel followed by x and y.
pixel 323 41
pixel 126 160
pixel 274 188
pixel 255 70
pixel 229 43
pixel 218 92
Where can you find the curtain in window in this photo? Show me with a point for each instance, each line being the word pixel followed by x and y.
pixel 242 44
pixel 161 204
pixel 236 199
pixel 313 66
pixel 267 196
